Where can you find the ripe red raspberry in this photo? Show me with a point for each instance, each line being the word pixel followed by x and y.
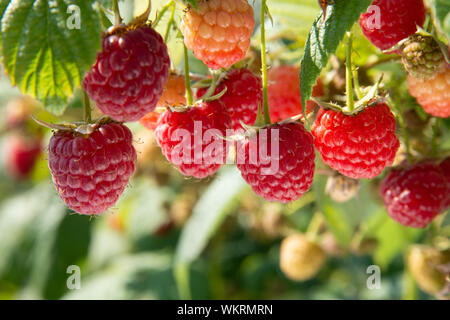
pixel 392 21
pixel 285 100
pixel 128 77
pixel 21 154
pixel 242 98
pixel 358 146
pixel 193 139
pixel 281 175
pixel 219 31
pixel 415 195
pixel 173 95
pixel 432 94
pixel 90 172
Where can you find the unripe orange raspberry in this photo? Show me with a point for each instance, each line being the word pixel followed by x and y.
pixel 300 259
pixel 432 94
pixel 219 31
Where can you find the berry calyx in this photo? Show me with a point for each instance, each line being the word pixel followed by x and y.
pixel 242 97
pixel 358 146
pixel 129 74
pixel 392 21
pixel 414 195
pixel 218 32
pixel 432 94
pixel 278 161
pixel 91 171
pixel 192 138
pixel 285 100
pixel 300 258
pixel 422 56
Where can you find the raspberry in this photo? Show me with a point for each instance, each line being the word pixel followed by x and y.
pixel 242 98
pixel 415 195
pixel 219 31
pixel 180 136
pixel 173 95
pixel 128 76
pixel 423 263
pixel 283 174
pixel 21 154
pixel 432 94
pixel 422 56
pixel 284 93
pixel 397 20
pixel 358 146
pixel 300 259
pixel 90 172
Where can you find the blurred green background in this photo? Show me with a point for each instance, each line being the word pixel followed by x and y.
pixel 170 237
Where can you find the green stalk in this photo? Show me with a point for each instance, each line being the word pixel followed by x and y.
pixel 161 13
pixel 117 17
pixel 171 20
pixel 264 64
pixel 187 80
pixel 348 74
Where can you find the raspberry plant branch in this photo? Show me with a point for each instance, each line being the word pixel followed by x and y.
pixel 359 93
pixel 434 139
pixel 187 79
pixel 264 63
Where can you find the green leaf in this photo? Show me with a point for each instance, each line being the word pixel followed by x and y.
pixel 324 39
pixel 43 51
pixel 208 214
pixel 441 15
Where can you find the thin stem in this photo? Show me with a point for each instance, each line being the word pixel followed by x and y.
pixel 314 225
pixel 170 22
pixel 187 80
pixel 348 74
pixel 161 13
pixel 212 87
pixel 86 108
pixel 264 64
pixel 401 122
pixel 117 17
